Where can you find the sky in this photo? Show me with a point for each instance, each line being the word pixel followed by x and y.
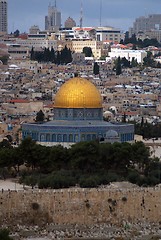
pixel 22 14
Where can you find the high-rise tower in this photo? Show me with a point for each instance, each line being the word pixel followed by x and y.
pixel 3 16
pixel 53 20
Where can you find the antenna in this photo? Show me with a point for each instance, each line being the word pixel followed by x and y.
pixel 100 13
pixel 55 3
pixel 81 15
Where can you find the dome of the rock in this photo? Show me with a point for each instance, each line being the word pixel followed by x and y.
pixel 78 93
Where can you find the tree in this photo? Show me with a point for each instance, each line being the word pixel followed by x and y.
pixel 32 54
pixel 29 151
pixel 58 58
pixel 4 234
pixel 5 144
pixel 57 158
pixel 96 68
pixel 4 59
pixel 85 156
pixel 87 51
pixel 66 56
pixel 46 54
pixel 52 55
pixel 124 118
pixel 118 66
pixel 40 116
pixel 140 156
pixel 134 47
pixel 134 62
pixel 149 61
pixel 125 63
pixel 16 33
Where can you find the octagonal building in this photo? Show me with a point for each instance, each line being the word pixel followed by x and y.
pixel 78 116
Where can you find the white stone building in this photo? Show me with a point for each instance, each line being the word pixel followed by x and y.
pixel 139 55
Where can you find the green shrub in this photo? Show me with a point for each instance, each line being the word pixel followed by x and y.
pixel 133 177
pixel 88 182
pixel 4 234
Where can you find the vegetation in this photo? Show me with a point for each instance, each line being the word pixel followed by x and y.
pixel 40 116
pixel 148 130
pixel 87 51
pixel 148 61
pixel 139 43
pixel 118 66
pixel 95 68
pixel 58 57
pixel 4 59
pixel 87 164
pixel 4 234
pixel 16 33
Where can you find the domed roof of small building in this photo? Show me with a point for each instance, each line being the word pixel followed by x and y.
pixel 78 93
pixel 107 114
pixel 111 134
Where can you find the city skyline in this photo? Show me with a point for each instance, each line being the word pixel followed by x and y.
pixel 116 13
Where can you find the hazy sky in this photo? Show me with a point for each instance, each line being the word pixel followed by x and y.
pixel 22 14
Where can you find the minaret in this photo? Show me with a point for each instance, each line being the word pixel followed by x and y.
pixel 81 15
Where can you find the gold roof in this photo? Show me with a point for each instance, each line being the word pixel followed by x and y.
pixel 78 93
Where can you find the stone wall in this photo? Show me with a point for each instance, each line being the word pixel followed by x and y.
pixel 81 206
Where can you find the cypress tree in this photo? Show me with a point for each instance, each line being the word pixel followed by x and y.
pixel 118 66
pixel 96 68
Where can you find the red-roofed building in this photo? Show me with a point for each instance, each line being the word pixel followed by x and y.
pixel 18 101
pixel 23 36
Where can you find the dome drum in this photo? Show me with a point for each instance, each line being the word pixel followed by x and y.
pixel 78 114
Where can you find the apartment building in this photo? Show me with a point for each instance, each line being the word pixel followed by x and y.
pixel 109 34
pixel 96 47
pixel 144 24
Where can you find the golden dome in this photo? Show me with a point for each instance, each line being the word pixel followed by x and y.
pixel 78 93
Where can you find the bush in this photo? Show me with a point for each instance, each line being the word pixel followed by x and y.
pixel 112 177
pixel 30 180
pixel 60 179
pixel 88 182
pixel 124 199
pixel 4 234
pixel 35 206
pixel 133 177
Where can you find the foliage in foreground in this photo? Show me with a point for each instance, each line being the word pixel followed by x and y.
pixel 4 234
pixel 87 164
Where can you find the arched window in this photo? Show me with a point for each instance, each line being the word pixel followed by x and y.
pixel 48 137
pixel 70 138
pixel 59 138
pixel 76 138
pixel 88 137
pixel 64 138
pixel 82 137
pixel 93 136
pixel 53 138
pixel 42 138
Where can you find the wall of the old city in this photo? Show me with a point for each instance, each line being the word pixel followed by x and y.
pixel 81 206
